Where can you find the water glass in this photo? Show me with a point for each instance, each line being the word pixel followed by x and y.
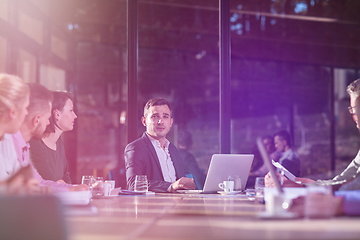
pixel 88 180
pixel 98 187
pixel 141 183
pixel 259 187
pixel 237 183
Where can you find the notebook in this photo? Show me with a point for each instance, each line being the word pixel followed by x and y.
pixel 221 167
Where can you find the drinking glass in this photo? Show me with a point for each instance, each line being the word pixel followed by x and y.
pixel 98 187
pixel 259 188
pixel 88 180
pixel 237 183
pixel 141 183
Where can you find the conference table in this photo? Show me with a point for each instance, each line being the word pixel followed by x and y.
pixel 196 216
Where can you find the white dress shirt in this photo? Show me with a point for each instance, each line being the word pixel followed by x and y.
pixel 167 166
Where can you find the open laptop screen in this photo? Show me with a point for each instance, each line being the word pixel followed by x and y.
pixel 224 165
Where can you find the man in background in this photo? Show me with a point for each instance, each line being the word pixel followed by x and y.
pixel 289 158
pixel 258 168
pixel 352 171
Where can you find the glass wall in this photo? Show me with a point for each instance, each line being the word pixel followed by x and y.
pixel 291 63
pixel 100 33
pixel 3 50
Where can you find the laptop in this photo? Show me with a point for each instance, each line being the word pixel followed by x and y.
pixel 221 167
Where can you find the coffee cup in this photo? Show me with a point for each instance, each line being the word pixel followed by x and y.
pixel 274 205
pixel 112 183
pixel 227 186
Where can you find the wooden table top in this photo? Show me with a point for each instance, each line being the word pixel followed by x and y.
pixel 201 216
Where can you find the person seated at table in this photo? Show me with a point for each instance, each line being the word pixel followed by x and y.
pixel 352 171
pixel 14 99
pixel 185 142
pixel 258 168
pixel 48 154
pixel 33 127
pixel 289 158
pixel 153 155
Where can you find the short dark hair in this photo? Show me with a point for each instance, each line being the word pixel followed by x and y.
pixel 40 97
pixel 268 137
pixel 58 103
pixel 185 138
pixel 354 87
pixel 357 105
pixel 284 135
pixel 155 102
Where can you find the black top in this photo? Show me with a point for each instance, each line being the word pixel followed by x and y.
pixel 51 165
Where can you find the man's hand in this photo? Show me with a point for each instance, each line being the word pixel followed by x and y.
pixel 183 183
pixel 269 182
pixel 304 180
pixel 32 187
pixel 14 186
pixel 18 186
pixel 81 187
pixel 60 181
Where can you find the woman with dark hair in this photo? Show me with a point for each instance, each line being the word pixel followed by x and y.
pixel 48 154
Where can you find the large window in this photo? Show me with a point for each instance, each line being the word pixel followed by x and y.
pixel 291 63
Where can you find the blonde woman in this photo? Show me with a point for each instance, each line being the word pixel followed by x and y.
pixel 14 100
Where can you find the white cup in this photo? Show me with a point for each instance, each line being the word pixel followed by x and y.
pixel 274 204
pixel 227 186
pixel 112 183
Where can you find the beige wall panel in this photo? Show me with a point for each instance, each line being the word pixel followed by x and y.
pixel 3 45
pixel 4 9
pixel 27 66
pixel 31 27
pixel 59 47
pixel 53 78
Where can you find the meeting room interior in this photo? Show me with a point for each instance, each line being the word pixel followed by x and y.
pixel 257 80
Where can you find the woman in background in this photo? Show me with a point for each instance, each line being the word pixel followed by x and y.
pixel 48 154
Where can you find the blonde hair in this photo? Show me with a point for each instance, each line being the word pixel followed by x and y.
pixel 13 92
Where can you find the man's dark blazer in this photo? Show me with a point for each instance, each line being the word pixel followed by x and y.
pixel 141 159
